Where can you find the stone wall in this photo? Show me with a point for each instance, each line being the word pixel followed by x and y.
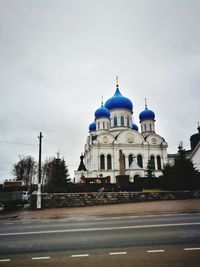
pixel 55 200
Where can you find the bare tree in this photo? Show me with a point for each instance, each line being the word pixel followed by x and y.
pixel 25 169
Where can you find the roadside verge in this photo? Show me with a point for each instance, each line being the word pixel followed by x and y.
pixel 136 208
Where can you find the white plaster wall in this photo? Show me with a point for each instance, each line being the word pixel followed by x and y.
pixel 130 142
pixel 129 137
pixel 120 112
pixel 196 159
pixel 102 122
pixel 148 127
pixel 93 157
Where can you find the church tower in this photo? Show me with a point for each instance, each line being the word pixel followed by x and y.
pixel 102 119
pixel 147 120
pixel 121 110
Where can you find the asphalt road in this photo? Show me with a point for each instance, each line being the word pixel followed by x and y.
pixel 149 240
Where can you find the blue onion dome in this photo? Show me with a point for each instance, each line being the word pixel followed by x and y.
pixel 135 127
pixel 92 127
pixel 102 112
pixel 118 101
pixel 147 114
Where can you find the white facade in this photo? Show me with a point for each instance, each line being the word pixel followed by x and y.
pixel 195 157
pixel 103 145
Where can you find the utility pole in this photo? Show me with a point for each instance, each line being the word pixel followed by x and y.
pixel 39 173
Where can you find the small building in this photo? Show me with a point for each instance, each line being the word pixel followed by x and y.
pixel 195 149
pixel 193 153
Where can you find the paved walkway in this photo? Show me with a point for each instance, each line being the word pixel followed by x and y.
pixel 136 208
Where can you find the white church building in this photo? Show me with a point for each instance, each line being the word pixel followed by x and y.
pixel 114 139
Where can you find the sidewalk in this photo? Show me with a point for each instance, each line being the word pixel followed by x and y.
pixel 136 208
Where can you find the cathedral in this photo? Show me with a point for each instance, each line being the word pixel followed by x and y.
pixel 115 147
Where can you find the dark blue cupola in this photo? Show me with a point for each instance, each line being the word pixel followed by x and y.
pixel 195 138
pixel 92 127
pixel 118 101
pixel 135 127
pixel 102 112
pixel 146 114
pixel 147 120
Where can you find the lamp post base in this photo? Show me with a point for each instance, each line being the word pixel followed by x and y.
pixel 39 197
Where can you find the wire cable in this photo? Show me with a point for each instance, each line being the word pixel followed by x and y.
pixel 14 143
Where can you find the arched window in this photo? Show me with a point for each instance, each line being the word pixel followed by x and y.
pixel 137 176
pixel 124 159
pixel 128 124
pixel 130 159
pixel 102 162
pixel 115 121
pixel 145 128
pixel 122 120
pixel 153 162
pixel 103 125
pixel 159 162
pixel 140 161
pixel 150 127
pixel 109 162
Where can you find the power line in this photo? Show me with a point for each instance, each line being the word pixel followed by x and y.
pixel 14 143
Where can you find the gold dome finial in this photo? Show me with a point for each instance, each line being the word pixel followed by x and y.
pixel 102 101
pixel 145 103
pixel 117 82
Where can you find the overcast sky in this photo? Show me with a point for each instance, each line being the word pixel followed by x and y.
pixel 58 57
